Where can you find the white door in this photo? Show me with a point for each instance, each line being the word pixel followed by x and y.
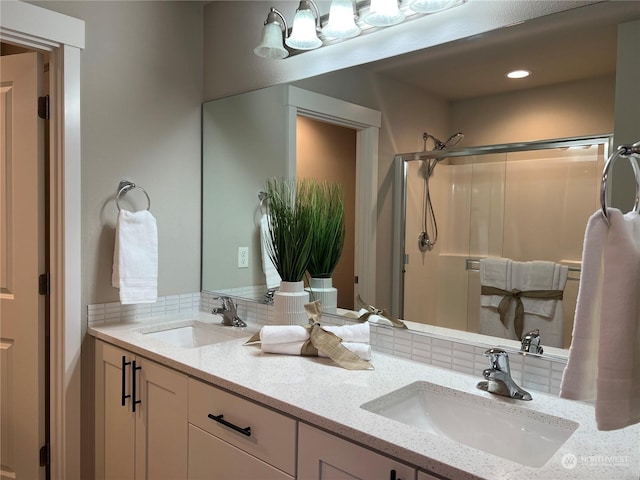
pixel 22 260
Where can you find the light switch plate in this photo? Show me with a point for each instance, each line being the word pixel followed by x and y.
pixel 243 257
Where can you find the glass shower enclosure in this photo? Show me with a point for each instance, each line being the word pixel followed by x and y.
pixel 520 201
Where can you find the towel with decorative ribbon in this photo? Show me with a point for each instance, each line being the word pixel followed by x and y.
pixel 371 314
pixel 516 294
pixel 347 345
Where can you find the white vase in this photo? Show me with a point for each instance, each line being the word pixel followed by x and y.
pixel 288 303
pixel 322 289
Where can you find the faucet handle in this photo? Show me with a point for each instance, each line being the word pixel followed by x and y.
pixel 531 342
pixel 498 358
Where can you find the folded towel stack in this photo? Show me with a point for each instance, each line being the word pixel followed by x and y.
pixel 289 339
pixel 544 314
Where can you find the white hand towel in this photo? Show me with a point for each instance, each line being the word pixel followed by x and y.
pixel 604 358
pixel 272 277
pixel 363 350
pixel 135 257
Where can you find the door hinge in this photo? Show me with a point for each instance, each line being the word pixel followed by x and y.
pixel 44 284
pixel 45 455
pixel 355 279
pixel 43 107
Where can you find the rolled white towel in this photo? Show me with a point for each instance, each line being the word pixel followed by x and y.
pixel 375 318
pixel 363 350
pixel 358 332
pixel 281 334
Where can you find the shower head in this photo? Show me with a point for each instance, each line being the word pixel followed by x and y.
pixel 440 145
pixel 453 140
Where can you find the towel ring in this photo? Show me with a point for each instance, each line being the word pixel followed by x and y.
pixel 625 151
pixel 124 187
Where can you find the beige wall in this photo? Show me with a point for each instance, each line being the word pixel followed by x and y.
pixel 327 152
pixel 141 94
pixel 141 89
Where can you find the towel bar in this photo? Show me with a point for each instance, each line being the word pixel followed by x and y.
pixel 124 186
pixel 473 265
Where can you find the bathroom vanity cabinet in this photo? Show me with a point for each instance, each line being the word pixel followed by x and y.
pixel 231 437
pixel 186 428
pixel 322 456
pixel 141 417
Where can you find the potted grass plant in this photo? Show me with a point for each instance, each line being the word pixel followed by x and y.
pixel 326 204
pixel 290 233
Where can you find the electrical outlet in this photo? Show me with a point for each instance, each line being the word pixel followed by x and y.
pixel 243 257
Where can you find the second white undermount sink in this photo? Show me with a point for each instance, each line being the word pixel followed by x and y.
pixel 193 334
pixel 519 434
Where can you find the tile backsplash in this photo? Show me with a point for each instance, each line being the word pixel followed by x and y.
pixel 542 374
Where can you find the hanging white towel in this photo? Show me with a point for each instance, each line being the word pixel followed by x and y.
pixel 272 277
pixel 494 272
pixel 542 314
pixel 135 257
pixel 604 357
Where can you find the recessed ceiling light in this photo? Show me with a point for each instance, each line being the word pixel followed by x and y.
pixel 519 74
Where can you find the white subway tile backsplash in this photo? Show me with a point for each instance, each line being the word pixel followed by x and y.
pixel 532 373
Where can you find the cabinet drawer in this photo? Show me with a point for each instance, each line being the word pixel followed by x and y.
pixel 210 457
pixel 272 435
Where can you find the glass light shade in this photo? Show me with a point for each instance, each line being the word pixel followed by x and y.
pixel 341 20
pixel 431 6
pixel 271 44
pixel 303 33
pixel 383 13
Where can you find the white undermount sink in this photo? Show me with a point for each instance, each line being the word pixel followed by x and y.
pixel 509 431
pixel 193 334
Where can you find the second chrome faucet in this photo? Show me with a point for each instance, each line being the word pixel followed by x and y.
pixel 498 376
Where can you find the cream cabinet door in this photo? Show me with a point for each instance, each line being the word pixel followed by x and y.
pixel 322 456
pixel 141 417
pixel 161 422
pixel 213 458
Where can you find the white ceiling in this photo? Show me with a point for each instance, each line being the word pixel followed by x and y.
pixel 569 46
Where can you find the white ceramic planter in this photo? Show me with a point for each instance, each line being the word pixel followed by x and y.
pixel 288 303
pixel 322 289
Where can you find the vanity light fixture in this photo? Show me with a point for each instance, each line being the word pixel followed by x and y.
pixel 384 13
pixel 346 19
pixel 272 34
pixel 518 74
pixel 304 35
pixel 342 20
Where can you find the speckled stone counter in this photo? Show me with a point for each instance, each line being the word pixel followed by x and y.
pixel 317 392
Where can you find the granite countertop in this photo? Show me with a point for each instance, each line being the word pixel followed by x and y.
pixel 316 391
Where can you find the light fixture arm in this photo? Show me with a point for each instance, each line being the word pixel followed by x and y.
pixel 272 17
pixel 305 5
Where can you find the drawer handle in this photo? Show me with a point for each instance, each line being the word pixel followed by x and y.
pixel 392 475
pixel 124 395
pixel 220 419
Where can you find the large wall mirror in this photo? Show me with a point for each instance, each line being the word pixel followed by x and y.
pixel 459 86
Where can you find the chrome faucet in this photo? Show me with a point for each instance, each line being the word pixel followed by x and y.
pixel 229 313
pixel 531 342
pixel 498 376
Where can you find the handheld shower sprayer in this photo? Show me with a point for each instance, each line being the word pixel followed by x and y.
pixel 427 241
